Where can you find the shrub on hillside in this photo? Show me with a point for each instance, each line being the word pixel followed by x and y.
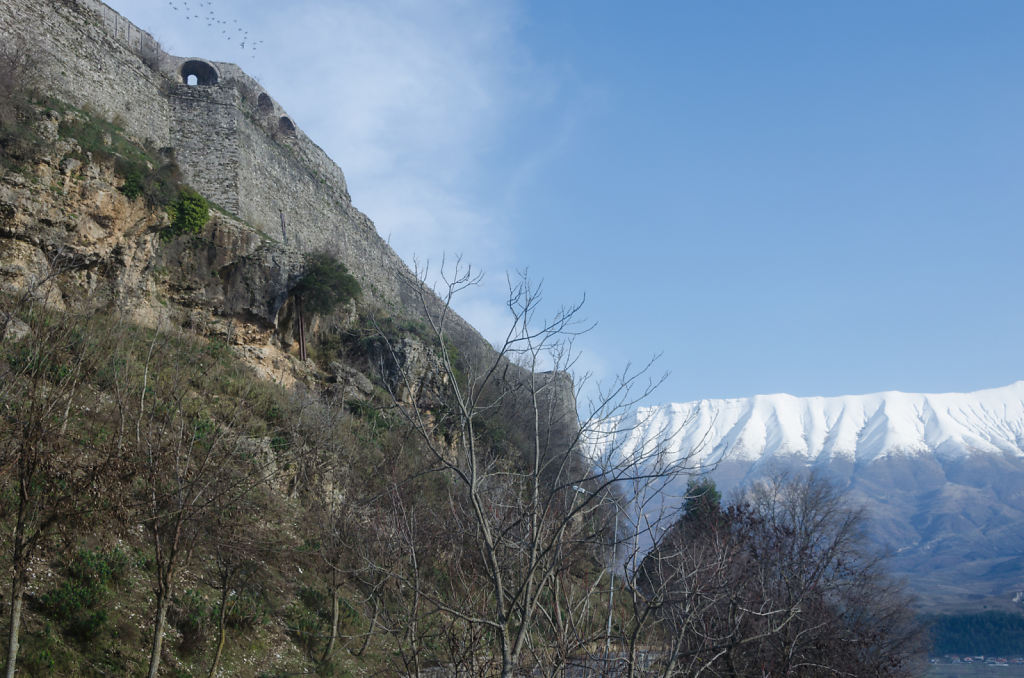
pixel 147 172
pixel 75 601
pixel 158 186
pixel 325 284
pixel 189 213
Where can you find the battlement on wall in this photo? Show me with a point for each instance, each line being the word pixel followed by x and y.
pixel 137 40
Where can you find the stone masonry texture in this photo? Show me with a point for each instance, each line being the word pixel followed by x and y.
pixel 228 137
pixel 233 142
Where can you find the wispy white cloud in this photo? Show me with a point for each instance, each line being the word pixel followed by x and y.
pixel 407 97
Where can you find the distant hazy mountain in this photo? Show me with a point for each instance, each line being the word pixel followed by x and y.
pixel 941 474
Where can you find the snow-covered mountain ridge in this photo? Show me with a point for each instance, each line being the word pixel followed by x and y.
pixel 941 476
pixel 856 428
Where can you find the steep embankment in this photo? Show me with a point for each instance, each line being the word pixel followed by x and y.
pixel 231 140
pixel 71 237
pixel 164 483
pixel 137 339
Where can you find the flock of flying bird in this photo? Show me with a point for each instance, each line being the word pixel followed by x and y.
pixel 204 13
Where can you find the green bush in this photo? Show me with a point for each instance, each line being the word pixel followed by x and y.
pixel 98 568
pixel 73 603
pixel 70 598
pixel 84 628
pixel 247 609
pixel 325 283
pixel 42 654
pixel 305 626
pixel 162 185
pixel 134 182
pixel 189 213
pixel 106 142
pixel 371 414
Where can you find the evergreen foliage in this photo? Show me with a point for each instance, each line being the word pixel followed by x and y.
pixel 987 633
pixel 189 213
pixel 703 501
pixel 325 284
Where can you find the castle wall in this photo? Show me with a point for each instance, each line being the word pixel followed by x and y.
pixel 205 135
pixel 285 178
pixel 138 41
pixel 234 143
pixel 277 184
pixel 90 61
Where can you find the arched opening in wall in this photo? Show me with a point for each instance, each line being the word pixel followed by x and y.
pixel 198 73
pixel 286 126
pixel 264 105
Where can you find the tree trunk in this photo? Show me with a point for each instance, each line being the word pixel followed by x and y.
pixel 221 629
pixel 162 603
pixel 507 663
pixel 17 597
pixel 369 634
pixel 334 627
pixel 19 564
pixel 302 328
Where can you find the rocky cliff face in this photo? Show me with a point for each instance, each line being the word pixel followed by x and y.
pixel 69 237
pixel 233 142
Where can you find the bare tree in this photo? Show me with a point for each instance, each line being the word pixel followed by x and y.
pixel 188 456
pixel 527 501
pixel 331 504
pixel 17 79
pixel 241 544
pixel 850 617
pixel 57 451
pixel 781 584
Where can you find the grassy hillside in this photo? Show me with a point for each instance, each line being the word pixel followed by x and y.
pixel 123 439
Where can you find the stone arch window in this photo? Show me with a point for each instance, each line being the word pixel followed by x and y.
pixel 286 126
pixel 198 73
pixel 264 105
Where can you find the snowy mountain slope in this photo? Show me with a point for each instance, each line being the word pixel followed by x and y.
pixel 858 428
pixel 941 475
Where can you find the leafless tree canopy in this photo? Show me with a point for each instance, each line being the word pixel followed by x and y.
pixel 496 532
pixel 546 534
pixel 781 583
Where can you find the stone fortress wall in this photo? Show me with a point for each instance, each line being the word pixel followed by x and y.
pixel 138 40
pixel 78 54
pixel 234 143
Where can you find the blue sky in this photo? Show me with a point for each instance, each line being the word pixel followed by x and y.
pixel 805 197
